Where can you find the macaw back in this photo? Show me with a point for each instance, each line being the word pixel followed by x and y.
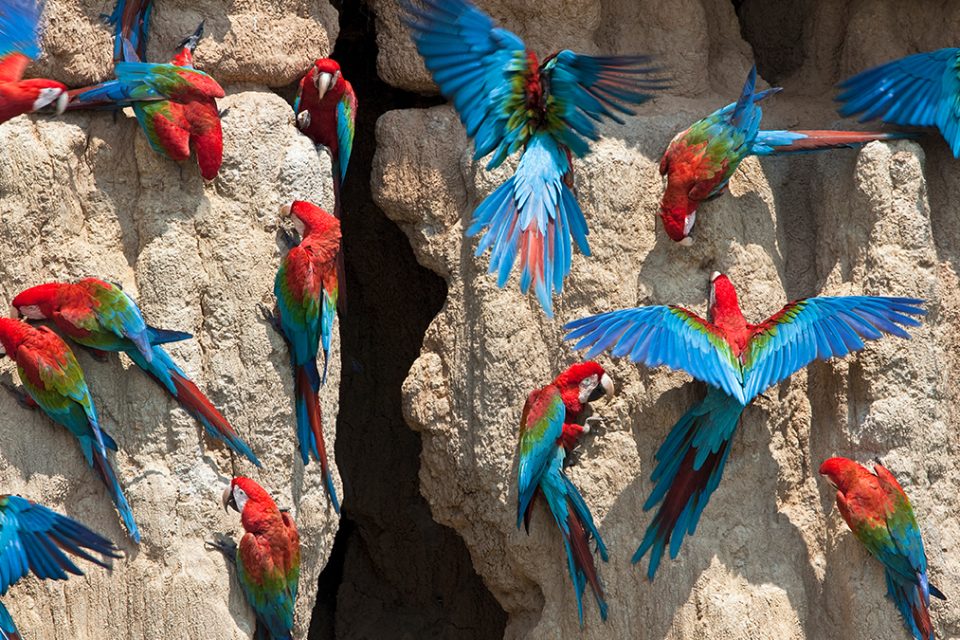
pixel 268 568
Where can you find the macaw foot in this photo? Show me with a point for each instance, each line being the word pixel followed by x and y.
pixel 225 545
pixel 593 422
pixel 22 399
pixel 271 317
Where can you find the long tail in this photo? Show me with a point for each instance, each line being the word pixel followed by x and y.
pixel 310 423
pixel 689 467
pixel 913 605
pixel 109 478
pixel 8 628
pixel 770 143
pixel 533 216
pixel 165 371
pixel 131 18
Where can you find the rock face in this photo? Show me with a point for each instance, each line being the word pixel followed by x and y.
pixel 85 195
pixel 771 557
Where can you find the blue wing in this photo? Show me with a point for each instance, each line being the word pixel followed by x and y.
pixel 346 126
pixel 660 335
pixel 541 426
pixel 920 90
pixel 34 538
pixel 18 27
pixel 131 20
pixel 8 628
pixel 475 64
pixel 817 329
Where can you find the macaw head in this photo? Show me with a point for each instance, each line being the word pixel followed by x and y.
pixel 582 383
pixel 678 221
pixel 310 219
pixel 244 492
pixel 843 473
pixel 12 334
pixel 326 75
pixel 36 303
pixel 44 93
pixel 723 297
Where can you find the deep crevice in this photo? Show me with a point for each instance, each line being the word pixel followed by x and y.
pixel 393 571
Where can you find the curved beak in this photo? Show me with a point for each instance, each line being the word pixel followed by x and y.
pixel 285 211
pixel 62 101
pixel 228 500
pixel 323 82
pixel 14 312
pixel 607 383
pixel 686 242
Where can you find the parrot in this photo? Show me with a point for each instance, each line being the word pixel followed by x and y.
pixel 508 101
pixel 920 90
pixel 174 103
pixel 880 516
pixel 131 18
pixel 100 316
pixel 700 161
pixel 38 539
pixel 326 109
pixel 19 45
pixel 54 382
pixel 547 432
pixel 267 560
pixel 306 289
pixel 738 361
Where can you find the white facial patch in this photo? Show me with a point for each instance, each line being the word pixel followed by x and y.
pixel 587 385
pixel 299 226
pixel 31 312
pixel 689 222
pixel 47 96
pixel 240 497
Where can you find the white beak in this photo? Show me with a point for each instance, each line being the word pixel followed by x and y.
pixel 285 210
pixel 686 242
pixel 62 103
pixel 323 82
pixel 714 276
pixel 14 313
pixel 607 384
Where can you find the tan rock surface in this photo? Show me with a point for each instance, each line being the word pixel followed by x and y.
pixel 771 557
pixel 86 196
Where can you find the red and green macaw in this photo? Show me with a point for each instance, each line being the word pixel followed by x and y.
pixel 326 109
pixel 36 539
pixel 102 317
pixel 509 101
pixel 921 90
pixel 548 430
pixel 175 104
pixel 306 288
pixel 880 516
pixel 738 361
pixel 700 161
pixel 267 560
pixel 18 46
pixel 54 382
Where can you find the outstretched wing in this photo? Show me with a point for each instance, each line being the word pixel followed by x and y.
pixel 541 426
pixel 18 36
pixel 906 557
pixel 585 89
pixel 477 65
pixel 661 335
pixel 818 329
pixel 35 538
pixel 921 90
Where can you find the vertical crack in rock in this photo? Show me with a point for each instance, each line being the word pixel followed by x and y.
pixel 393 572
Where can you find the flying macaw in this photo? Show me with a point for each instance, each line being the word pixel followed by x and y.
pixel 920 90
pixel 880 516
pixel 306 290
pixel 102 317
pixel 326 109
pixel 35 538
pixel 18 46
pixel 175 104
pixel 54 382
pixel 738 361
pixel 548 429
pixel 700 161
pixel 267 560
pixel 509 101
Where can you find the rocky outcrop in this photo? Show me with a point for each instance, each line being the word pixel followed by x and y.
pixel 771 557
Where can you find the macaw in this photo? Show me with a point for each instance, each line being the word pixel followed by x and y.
pixel 509 101
pixel 131 18
pixel 34 538
pixel 175 104
pixel 326 109
pixel 306 289
pixel 880 516
pixel 267 560
pixel 700 161
pixel 921 90
pixel 18 46
pixel 102 317
pixel 738 361
pixel 54 382
pixel 548 430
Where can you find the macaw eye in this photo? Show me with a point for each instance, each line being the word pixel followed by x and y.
pixel 587 385
pixel 240 497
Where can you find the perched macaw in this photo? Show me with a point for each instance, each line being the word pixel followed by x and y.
pixel 131 18
pixel 880 516
pixel 738 361
pixel 54 382
pixel 175 104
pixel 35 538
pixel 548 429
pixel 306 289
pixel 700 161
pixel 326 109
pixel 18 46
pixel 921 90
pixel 102 317
pixel 509 101
pixel 267 560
